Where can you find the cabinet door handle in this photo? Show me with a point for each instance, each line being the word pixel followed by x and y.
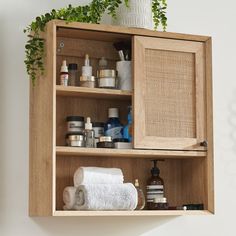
pixel 204 143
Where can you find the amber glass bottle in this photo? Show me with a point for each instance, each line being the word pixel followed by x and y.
pixel 155 186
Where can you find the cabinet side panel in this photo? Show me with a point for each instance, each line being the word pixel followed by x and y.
pixel 41 136
pixel 209 116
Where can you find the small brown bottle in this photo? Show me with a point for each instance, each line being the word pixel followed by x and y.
pixel 155 185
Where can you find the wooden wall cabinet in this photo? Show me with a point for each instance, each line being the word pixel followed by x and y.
pixel 172 113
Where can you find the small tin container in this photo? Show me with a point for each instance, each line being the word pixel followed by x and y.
pixel 122 143
pixel 105 142
pixel 107 73
pixel 75 124
pixel 87 81
pixel 159 204
pixel 75 140
pixel 107 78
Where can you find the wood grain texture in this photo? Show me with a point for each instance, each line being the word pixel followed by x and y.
pixel 129 213
pixel 188 174
pixel 131 153
pixel 209 121
pixel 97 93
pixel 166 90
pixel 74 50
pixel 41 134
pixel 131 168
pixel 96 109
pixel 119 30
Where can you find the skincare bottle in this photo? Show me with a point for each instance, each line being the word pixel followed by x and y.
pixel 89 135
pixel 113 127
pixel 87 69
pixel 141 198
pixel 127 133
pixel 155 185
pixel 64 75
pixel 102 63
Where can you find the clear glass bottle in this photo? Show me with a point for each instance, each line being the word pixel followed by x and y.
pixel 89 134
pixel 141 197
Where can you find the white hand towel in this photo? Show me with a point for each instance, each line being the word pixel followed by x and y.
pixel 106 197
pixel 69 197
pixel 97 175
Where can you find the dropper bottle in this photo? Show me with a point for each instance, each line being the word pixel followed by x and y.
pixel 87 69
pixel 89 135
pixel 64 75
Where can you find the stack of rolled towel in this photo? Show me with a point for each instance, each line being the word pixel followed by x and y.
pixel 98 188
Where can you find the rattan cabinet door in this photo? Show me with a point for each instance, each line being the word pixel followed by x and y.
pixel 169 94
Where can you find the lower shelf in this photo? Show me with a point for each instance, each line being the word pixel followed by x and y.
pixel 131 213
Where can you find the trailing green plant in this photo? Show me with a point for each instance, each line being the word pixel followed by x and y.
pixel 91 13
pixel 159 13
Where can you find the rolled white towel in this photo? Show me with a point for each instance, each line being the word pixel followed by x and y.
pixel 106 197
pixel 97 175
pixel 69 197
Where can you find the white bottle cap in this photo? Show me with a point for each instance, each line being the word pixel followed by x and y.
pixel 88 124
pixel 113 113
pixel 64 67
pixel 86 61
pixel 136 183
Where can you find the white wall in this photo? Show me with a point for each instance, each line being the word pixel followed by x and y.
pixel 209 17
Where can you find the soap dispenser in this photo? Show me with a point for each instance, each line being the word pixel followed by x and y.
pixel 155 185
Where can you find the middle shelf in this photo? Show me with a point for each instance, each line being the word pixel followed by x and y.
pixel 124 153
pixel 97 93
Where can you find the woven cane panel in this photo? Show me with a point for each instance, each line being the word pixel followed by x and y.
pixel 170 94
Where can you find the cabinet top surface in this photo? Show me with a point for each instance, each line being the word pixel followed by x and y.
pixel 74 27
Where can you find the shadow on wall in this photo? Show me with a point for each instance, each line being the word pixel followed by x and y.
pixel 3 127
pixel 231 163
pixel 122 226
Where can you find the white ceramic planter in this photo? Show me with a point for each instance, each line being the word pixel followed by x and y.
pixel 138 14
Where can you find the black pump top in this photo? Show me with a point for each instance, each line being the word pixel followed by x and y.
pixel 155 171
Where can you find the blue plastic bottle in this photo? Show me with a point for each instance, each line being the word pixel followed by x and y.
pixel 127 133
pixel 113 127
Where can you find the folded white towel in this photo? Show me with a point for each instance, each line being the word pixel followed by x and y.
pixel 69 197
pixel 97 175
pixel 106 197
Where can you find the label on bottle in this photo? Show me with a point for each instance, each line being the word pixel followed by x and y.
pixel 64 79
pixel 115 132
pixel 154 191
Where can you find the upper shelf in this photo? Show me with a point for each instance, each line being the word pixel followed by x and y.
pixel 127 153
pixel 97 93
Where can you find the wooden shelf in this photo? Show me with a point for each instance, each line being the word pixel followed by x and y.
pixel 127 153
pixel 130 213
pixel 97 93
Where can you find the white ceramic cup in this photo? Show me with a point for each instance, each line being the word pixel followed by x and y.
pixel 124 75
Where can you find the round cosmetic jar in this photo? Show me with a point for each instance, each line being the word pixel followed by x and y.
pixel 87 81
pixel 105 142
pixel 75 140
pixel 75 124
